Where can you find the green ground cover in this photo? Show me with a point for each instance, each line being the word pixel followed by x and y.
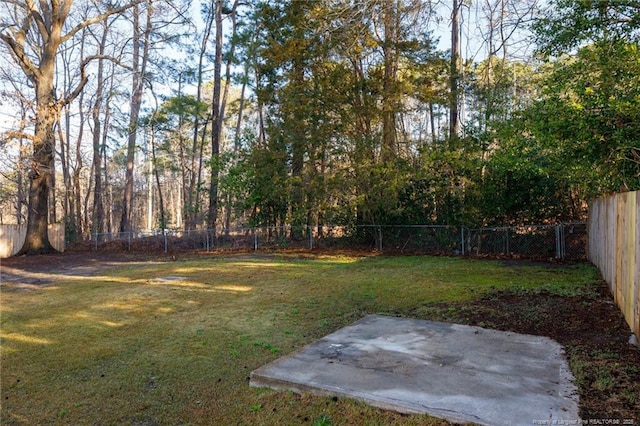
pixel 174 342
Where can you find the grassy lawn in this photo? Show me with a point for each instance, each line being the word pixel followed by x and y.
pixel 171 343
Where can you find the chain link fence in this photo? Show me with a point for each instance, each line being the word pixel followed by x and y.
pixel 560 241
pixel 563 241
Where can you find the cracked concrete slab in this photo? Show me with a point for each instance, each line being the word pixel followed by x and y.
pixel 456 372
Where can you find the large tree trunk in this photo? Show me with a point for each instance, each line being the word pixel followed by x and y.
pixel 42 167
pixel 37 239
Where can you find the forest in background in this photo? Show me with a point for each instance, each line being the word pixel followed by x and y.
pixel 223 113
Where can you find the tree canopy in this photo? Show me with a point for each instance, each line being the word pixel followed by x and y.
pixel 220 113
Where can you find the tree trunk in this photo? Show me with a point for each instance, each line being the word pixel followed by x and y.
pixel 191 194
pixel 76 205
pixel 139 71
pixel 64 153
pixel 297 119
pixel 106 192
pixel 432 123
pixel 37 239
pixel 75 210
pixel 156 173
pixel 42 166
pixel 98 206
pixel 453 78
pixel 216 131
pixel 390 16
pixel 22 200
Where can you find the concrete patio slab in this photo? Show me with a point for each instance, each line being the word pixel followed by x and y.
pixel 456 372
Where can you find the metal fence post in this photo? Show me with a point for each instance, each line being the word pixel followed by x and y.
pixel 560 251
pixel 380 238
pixel 310 237
pixel 129 235
pixel 165 240
pixel 462 240
pixel 255 239
pixel 506 241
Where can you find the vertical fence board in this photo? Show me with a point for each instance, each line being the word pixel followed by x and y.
pixel 610 238
pixel 620 247
pixel 629 262
pixel 614 240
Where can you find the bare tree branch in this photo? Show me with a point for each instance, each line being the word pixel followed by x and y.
pixel 16 42
pixel 14 134
pixel 32 12
pixel 84 78
pixel 98 18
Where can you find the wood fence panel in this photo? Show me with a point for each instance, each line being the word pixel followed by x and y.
pixel 614 247
pixel 636 282
pixel 12 237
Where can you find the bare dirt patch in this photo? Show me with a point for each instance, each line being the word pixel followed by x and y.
pixel 24 273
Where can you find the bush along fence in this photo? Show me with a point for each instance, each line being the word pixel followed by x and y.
pixel 563 241
pixel 614 247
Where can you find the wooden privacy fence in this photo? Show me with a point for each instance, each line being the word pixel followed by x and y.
pixel 12 237
pixel 614 247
